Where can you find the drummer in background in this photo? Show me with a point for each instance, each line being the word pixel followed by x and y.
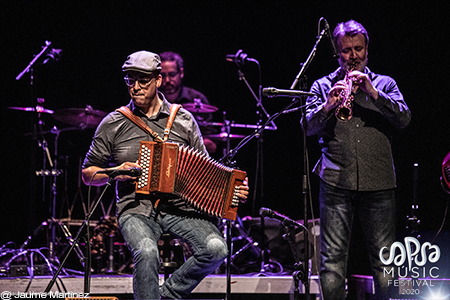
pixel 175 92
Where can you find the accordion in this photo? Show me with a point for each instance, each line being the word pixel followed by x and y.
pixel 200 181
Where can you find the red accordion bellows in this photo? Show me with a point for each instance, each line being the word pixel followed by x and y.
pixel 202 182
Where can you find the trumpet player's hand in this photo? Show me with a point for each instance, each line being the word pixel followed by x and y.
pixel 334 96
pixel 363 81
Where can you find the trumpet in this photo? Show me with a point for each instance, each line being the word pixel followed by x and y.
pixel 344 111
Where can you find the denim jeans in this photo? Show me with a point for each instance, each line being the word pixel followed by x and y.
pixel 377 215
pixel 142 233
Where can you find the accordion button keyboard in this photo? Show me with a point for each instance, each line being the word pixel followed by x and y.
pixel 145 163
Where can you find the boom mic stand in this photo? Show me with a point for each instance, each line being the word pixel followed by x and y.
pixel 303 273
pixel 30 69
pixel 227 160
pixel 240 58
pixel 48 54
pixel 228 222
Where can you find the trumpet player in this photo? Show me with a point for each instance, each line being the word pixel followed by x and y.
pixel 354 113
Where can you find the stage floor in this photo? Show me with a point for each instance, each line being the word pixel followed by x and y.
pixel 114 285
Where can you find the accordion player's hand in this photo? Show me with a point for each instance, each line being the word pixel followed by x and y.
pixel 126 166
pixel 243 191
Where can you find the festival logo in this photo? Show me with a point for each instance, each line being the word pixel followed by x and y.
pixel 411 265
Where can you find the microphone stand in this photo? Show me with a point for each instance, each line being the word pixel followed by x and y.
pixel 239 62
pixel 259 176
pixel 34 119
pixel 230 155
pixel 54 172
pixel 227 160
pixel 303 271
pixel 413 221
pixel 228 224
pixel 33 61
pixel 298 273
pixel 87 262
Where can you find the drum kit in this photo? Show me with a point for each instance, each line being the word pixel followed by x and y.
pixel 78 119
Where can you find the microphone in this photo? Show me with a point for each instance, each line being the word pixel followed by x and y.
pixel 274 92
pixel 240 58
pixel 133 172
pixel 53 55
pixel 267 212
pixel 330 37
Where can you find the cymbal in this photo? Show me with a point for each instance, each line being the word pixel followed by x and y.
pixel 223 136
pixel 37 108
pixel 199 107
pixel 81 117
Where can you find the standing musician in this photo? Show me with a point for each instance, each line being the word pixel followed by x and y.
pixel 356 167
pixel 141 221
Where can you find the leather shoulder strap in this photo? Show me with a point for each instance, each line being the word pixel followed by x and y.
pixel 173 111
pixel 138 121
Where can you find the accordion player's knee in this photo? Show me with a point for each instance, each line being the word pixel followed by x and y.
pixel 217 248
pixel 148 250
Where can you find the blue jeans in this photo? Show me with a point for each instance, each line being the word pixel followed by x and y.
pixel 377 215
pixel 142 234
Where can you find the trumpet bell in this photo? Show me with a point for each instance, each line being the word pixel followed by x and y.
pixel 344 114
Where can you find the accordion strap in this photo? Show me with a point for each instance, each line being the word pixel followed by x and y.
pixel 141 124
pixel 173 111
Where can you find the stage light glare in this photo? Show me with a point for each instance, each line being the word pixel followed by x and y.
pixel 438 296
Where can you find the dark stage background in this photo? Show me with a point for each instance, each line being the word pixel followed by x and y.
pixel 408 40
